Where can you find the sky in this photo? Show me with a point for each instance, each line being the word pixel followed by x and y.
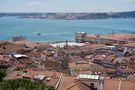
pixel 66 5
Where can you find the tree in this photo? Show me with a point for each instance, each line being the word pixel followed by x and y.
pixel 23 84
pixel 2 74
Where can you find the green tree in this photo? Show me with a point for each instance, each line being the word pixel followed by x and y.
pixel 23 84
pixel 2 74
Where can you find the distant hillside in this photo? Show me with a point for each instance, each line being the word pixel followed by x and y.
pixel 73 16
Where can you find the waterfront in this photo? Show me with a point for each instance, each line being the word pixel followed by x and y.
pixel 54 30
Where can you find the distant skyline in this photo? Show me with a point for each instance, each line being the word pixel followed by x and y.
pixel 67 5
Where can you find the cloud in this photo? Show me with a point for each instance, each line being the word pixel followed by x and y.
pixel 35 3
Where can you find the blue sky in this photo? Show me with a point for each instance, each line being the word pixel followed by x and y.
pixel 66 5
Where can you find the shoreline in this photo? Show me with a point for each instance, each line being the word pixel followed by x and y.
pixel 81 39
pixel 73 39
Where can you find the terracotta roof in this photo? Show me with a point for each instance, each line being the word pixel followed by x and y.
pixel 74 65
pixel 31 73
pixel 116 36
pixel 27 43
pixel 34 54
pixel 1 57
pixel 100 57
pixel 73 49
pixel 4 58
pixel 10 48
pixel 110 58
pixel 14 75
pixel 65 82
pixel 78 86
pixel 114 84
pixel 95 65
pixel 132 78
pixel 69 83
pixel 130 45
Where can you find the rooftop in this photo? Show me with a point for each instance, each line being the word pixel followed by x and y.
pixel 39 77
pixel 62 44
pixel 20 56
pixel 65 82
pixel 115 84
pixel 74 65
pixel 86 76
pixel 8 48
pixel 130 45
pixel 117 36
pixel 31 74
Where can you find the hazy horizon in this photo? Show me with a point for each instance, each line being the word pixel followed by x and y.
pixel 68 12
pixel 63 6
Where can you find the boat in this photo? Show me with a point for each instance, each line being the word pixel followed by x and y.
pixel 39 34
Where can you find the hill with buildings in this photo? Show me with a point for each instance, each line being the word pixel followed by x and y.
pixel 73 16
